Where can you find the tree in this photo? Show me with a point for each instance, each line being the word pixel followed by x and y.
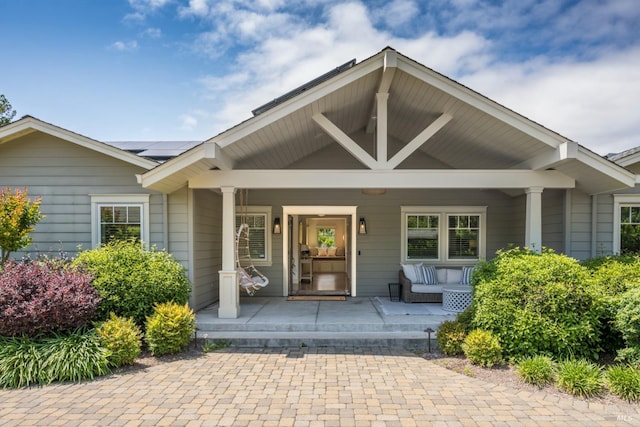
pixel 18 217
pixel 7 113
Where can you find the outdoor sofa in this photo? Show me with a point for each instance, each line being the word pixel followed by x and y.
pixel 422 283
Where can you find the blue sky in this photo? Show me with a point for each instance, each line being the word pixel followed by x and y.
pixel 188 69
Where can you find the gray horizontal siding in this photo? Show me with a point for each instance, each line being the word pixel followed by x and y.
pixel 379 258
pixel 64 175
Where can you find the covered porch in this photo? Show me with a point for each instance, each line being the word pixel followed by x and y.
pixel 381 140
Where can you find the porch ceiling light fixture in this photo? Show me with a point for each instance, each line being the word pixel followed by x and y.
pixel 277 229
pixel 362 226
pixel 373 191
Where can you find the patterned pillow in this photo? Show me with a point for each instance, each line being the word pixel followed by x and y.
pixel 430 275
pixel 466 275
pixel 413 272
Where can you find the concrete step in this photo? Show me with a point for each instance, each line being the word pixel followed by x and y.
pixel 379 327
pixel 412 340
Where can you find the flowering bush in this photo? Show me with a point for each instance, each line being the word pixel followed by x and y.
pixel 18 217
pixel 44 297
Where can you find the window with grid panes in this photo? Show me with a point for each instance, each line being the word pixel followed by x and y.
pixel 120 222
pixel 258 228
pixel 463 236
pixel 422 237
pixel 629 229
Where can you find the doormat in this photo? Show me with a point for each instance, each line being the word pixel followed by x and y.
pixel 317 298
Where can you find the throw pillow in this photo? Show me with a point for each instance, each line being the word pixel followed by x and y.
pixel 413 272
pixel 466 275
pixel 430 275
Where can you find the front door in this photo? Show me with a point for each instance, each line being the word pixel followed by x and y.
pixel 318 249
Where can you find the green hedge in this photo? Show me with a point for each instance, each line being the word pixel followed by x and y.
pixel 539 303
pixel 131 279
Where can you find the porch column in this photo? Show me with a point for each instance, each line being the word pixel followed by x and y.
pixel 533 225
pixel 229 304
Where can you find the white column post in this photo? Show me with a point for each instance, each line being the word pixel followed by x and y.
pixel 229 305
pixel 533 226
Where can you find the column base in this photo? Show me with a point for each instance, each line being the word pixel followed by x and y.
pixel 229 304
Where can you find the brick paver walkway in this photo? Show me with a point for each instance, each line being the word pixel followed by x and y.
pixel 302 387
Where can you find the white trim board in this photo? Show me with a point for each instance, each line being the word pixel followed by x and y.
pixel 320 210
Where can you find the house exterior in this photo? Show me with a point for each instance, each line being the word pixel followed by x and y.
pixel 436 172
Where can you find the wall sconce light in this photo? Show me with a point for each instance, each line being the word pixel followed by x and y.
pixel 362 227
pixel 277 229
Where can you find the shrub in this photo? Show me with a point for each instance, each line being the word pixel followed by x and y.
pixel 465 318
pixel 579 378
pixel 44 297
pixel 536 370
pixel 27 361
pixel 75 357
pixel 630 356
pixel 482 348
pixel 170 328
pixel 18 217
pixel 122 337
pixel 616 276
pixel 627 317
pixel 451 335
pixel 131 280
pixel 538 304
pixel 624 381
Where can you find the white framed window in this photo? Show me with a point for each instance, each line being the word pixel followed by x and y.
pixel 626 223
pixel 119 216
pixel 443 234
pixel 258 218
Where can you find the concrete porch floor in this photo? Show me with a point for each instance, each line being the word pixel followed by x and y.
pixel 276 322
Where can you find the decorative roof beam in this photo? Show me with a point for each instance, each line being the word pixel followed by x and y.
pixel 389 67
pixel 213 152
pixel 343 139
pixel 420 139
pixel 565 151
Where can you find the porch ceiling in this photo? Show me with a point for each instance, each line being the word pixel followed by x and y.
pixel 472 139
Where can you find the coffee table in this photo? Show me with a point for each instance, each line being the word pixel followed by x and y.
pixel 456 297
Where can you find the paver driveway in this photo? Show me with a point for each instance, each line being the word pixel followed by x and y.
pixel 301 386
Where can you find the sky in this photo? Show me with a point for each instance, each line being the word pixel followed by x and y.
pixel 163 70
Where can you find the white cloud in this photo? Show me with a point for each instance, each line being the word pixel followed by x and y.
pixel 593 103
pixel 154 33
pixel 280 63
pixel 124 46
pixel 398 12
pixel 188 122
pixel 266 48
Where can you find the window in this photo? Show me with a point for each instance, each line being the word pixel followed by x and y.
pixel 119 217
pixel 258 218
pixel 453 234
pixel 120 222
pixel 326 237
pixel 422 236
pixel 626 223
pixel 464 233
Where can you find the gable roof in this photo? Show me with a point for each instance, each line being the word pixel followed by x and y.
pixel 28 124
pixel 428 116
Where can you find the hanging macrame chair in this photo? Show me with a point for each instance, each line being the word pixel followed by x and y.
pixel 249 277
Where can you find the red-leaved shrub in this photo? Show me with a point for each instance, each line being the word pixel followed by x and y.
pixel 40 297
